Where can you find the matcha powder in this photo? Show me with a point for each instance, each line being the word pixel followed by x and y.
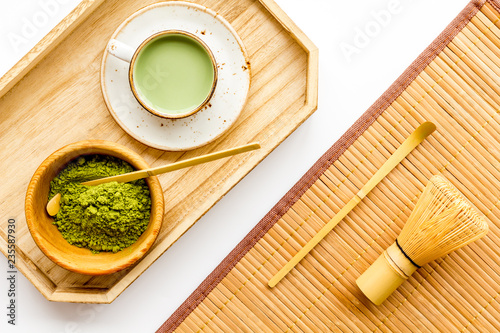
pixel 105 217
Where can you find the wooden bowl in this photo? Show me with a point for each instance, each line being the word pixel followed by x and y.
pixel 49 239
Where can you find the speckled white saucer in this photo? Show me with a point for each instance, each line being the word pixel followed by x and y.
pixel 227 101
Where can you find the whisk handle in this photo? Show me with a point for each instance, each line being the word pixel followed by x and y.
pixel 386 274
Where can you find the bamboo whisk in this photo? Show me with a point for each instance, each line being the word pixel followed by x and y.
pixel 442 221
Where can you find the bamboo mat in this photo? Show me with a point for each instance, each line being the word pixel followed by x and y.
pixel 454 83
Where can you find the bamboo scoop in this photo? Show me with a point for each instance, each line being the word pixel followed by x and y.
pixel 406 147
pixel 53 205
pixel 442 221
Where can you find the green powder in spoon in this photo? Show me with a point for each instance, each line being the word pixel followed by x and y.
pixel 106 217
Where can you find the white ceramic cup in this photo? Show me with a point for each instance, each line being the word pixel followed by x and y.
pixel 128 54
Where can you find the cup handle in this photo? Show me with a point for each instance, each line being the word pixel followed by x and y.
pixel 120 50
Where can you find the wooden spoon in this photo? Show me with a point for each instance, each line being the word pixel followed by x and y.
pixel 53 205
pixel 406 147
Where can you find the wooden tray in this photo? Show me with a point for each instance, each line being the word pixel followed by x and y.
pixel 454 83
pixel 54 98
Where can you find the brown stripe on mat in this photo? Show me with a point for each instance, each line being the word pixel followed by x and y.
pixel 359 127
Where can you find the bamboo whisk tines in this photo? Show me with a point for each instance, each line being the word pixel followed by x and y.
pixel 442 221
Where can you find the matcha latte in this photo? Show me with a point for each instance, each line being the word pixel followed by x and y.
pixel 173 74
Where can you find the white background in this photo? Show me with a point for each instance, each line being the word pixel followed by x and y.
pixel 348 85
